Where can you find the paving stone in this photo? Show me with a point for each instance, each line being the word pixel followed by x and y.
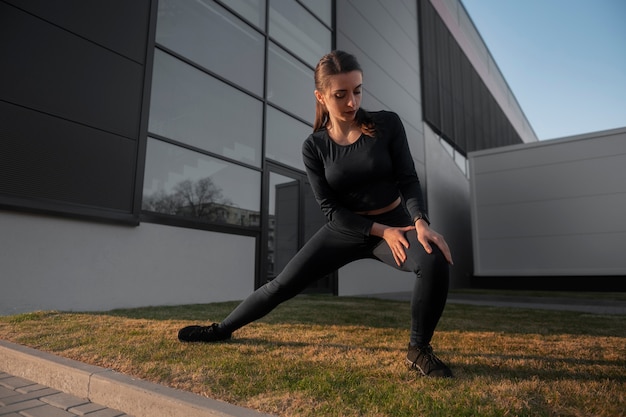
pixel 20 397
pixel 31 388
pixel 14 382
pixel 20 407
pixel 64 401
pixel 84 409
pixel 46 411
pixel 35 395
pixel 5 392
pixel 107 412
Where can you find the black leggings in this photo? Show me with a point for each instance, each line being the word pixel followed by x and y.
pixel 331 248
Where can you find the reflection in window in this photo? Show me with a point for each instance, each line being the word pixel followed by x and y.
pixel 253 10
pixel 299 32
pixel 290 84
pixel 183 183
pixel 209 35
pixel 284 137
pixel 192 107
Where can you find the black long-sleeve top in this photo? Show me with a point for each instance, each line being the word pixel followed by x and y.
pixel 368 174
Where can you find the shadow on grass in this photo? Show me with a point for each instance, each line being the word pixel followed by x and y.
pixel 304 309
pixel 502 367
pixel 495 366
pixel 375 313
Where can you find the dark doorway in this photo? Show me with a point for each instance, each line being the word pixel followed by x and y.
pixel 293 216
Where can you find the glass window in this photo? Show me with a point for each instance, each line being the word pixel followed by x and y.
pixel 294 28
pixel 209 35
pixel 253 10
pixel 189 184
pixel 284 137
pixel 321 8
pixel 290 84
pixel 461 162
pixel 192 107
pixel 447 147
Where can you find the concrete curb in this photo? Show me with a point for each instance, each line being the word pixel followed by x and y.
pixel 135 397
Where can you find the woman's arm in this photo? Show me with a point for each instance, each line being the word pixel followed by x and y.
pixel 410 188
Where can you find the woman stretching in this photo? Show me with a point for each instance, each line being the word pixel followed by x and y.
pixel 364 179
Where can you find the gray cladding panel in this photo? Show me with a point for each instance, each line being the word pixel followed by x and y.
pixel 384 40
pixel 562 180
pixel 555 217
pixel 386 21
pixel 373 33
pixel 553 256
pixel 549 152
pixel 551 208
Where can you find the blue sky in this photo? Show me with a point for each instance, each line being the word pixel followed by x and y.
pixel 565 60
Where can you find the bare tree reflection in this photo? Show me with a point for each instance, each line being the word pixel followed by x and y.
pixel 201 198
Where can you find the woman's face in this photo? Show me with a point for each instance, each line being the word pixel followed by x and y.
pixel 343 96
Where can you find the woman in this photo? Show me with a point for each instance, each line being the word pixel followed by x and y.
pixel 364 179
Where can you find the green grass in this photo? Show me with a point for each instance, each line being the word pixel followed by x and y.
pixel 336 356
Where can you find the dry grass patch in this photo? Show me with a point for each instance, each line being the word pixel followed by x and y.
pixel 318 355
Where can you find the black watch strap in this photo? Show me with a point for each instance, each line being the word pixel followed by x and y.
pixel 421 216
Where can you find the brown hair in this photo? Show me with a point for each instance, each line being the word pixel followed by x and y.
pixel 333 63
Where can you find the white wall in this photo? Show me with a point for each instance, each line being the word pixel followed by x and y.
pixel 448 204
pixel 551 208
pixel 55 263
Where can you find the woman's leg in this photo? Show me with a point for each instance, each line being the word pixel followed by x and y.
pixel 427 303
pixel 431 286
pixel 325 252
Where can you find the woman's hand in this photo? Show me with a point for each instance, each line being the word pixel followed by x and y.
pixel 426 235
pixel 397 241
pixel 395 238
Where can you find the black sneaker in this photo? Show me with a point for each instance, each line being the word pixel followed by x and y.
pixel 424 360
pixel 210 333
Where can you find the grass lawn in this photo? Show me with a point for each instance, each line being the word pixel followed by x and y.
pixel 337 356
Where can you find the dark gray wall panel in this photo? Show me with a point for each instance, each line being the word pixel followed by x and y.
pixel 457 104
pixel 51 70
pixel 119 25
pixel 71 95
pixel 61 161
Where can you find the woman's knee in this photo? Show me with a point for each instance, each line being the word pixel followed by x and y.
pixel 437 254
pixel 420 261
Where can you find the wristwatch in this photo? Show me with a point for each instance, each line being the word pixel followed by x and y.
pixel 421 216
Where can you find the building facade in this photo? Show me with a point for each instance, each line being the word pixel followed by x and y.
pixel 150 150
pixel 551 214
